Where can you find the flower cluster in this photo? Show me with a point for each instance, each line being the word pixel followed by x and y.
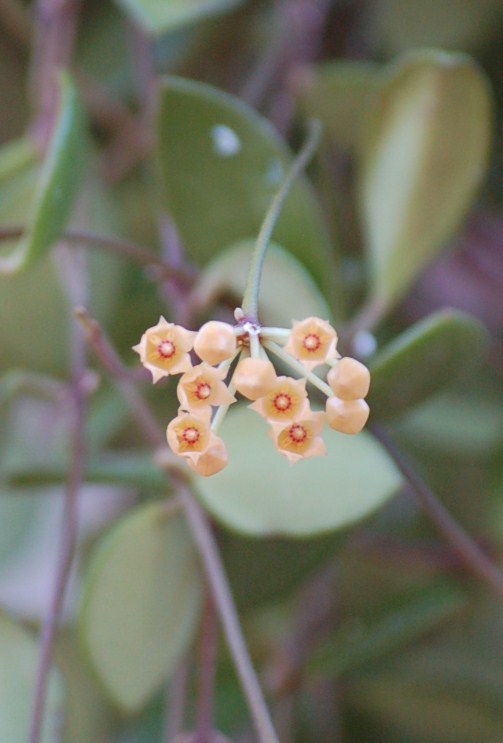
pixel 282 401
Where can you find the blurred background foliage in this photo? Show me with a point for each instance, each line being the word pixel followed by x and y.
pixel 171 128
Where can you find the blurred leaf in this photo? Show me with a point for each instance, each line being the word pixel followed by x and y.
pixel 16 156
pixel 221 165
pixel 133 469
pixel 19 657
pixel 57 185
pixel 267 569
pixel 423 156
pixel 423 360
pixel 339 94
pixel 89 719
pixel 140 604
pixel 406 710
pixel 35 314
pixel 464 422
pixel 287 291
pixel 160 16
pixel 17 513
pixel 400 25
pixel 261 494
pixel 358 644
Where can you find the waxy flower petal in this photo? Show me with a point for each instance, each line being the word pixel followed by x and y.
pixel 189 436
pixel 285 401
pixel 164 349
pixel 213 460
pixel 253 378
pixel 203 386
pixel 300 439
pixel 312 341
pixel 347 416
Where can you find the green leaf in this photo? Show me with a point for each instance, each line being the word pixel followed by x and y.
pixel 19 657
pixel 259 493
pixel 423 360
pixel 57 185
pixel 400 25
pixel 141 604
pixel 132 469
pixel 423 156
pixel 287 290
pixel 221 165
pixel 16 156
pixel 357 645
pixel 160 16
pixel 339 95
pixel 267 570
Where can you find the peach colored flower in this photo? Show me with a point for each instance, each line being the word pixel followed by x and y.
pixel 285 401
pixel 164 349
pixel 215 342
pixel 213 460
pixel 189 436
pixel 349 379
pixel 203 386
pixel 346 416
pixel 312 341
pixel 300 439
pixel 253 378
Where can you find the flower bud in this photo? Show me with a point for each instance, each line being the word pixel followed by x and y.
pixel 349 379
pixel 215 342
pixel 347 416
pixel 213 460
pixel 254 378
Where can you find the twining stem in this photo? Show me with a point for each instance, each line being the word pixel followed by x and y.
pixel 206 673
pixel 69 526
pixel 116 246
pixel 175 702
pixel 200 529
pixel 250 298
pixel 468 551
pixel 224 602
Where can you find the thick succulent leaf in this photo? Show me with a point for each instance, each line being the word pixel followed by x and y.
pixel 56 188
pixel 19 657
pixel 266 570
pixel 423 360
pixel 355 647
pixel 400 25
pixel 16 156
pixel 339 94
pixel 160 16
pixel 140 604
pixel 221 165
pixel 423 155
pixel 286 291
pixel 259 493
pixel 33 308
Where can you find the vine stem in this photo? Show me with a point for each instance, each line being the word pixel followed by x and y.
pixel 116 246
pixel 206 672
pixel 467 550
pixel 200 530
pixel 69 525
pixel 250 298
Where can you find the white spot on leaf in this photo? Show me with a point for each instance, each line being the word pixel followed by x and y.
pixel 226 142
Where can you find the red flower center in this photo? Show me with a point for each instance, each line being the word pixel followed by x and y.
pixel 191 435
pixel 166 349
pixel 282 402
pixel 311 342
pixel 297 433
pixel 203 391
